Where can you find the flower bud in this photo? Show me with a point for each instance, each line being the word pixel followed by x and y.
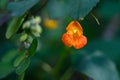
pixel 38 19
pixel 36 34
pixel 29 39
pixel 26 25
pixel 33 28
pixel 38 29
pixel 23 37
pixel 33 21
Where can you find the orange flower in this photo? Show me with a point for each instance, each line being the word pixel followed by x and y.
pixel 74 36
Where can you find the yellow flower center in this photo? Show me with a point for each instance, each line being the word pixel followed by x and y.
pixel 75 33
pixel 74 30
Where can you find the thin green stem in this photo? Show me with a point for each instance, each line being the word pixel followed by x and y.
pixel 96 19
pixel 67 74
pixel 56 69
pixel 21 77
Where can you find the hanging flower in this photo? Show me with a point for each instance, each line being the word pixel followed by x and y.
pixel 74 36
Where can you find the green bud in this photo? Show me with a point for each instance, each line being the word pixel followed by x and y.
pixel 23 37
pixel 33 21
pixel 29 39
pixel 26 25
pixel 38 28
pixel 33 28
pixel 38 19
pixel 36 34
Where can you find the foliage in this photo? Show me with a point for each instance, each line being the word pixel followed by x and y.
pixel 13 27
pixel 21 7
pixel 90 64
pixel 34 49
pixel 61 9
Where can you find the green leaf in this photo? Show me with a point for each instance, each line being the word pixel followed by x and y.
pixel 3 4
pixel 8 57
pixel 5 69
pixel 21 7
pixel 96 66
pixel 23 66
pixel 110 48
pixel 74 8
pixel 19 60
pixel 13 27
pixel 33 47
pixel 57 9
pixel 81 7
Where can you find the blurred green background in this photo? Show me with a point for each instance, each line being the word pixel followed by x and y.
pixel 98 60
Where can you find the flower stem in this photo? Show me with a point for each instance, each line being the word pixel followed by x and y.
pixel 56 69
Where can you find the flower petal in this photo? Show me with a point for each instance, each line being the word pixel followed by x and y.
pixel 80 42
pixel 67 39
pixel 75 25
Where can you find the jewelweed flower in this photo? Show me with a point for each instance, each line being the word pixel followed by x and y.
pixel 74 36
